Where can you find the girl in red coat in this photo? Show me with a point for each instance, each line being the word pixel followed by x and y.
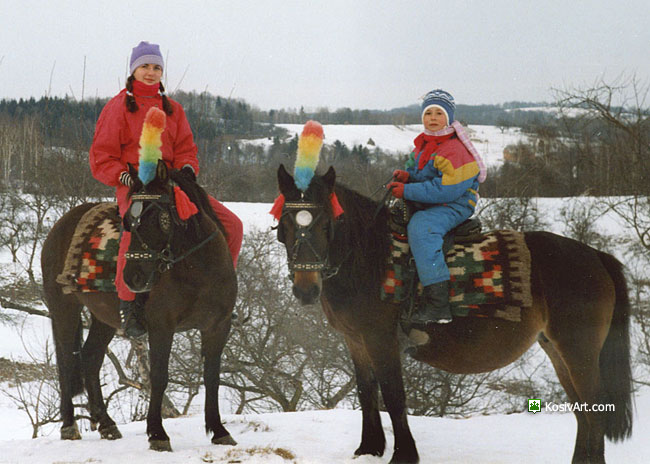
pixel 116 143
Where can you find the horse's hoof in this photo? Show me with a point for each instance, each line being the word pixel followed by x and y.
pixel 363 451
pixel 110 433
pixel 160 445
pixel 71 432
pixel 225 440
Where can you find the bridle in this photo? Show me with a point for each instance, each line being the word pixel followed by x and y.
pixel 168 221
pixel 305 216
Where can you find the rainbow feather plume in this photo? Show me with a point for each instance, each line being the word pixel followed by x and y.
pixel 150 143
pixel 309 145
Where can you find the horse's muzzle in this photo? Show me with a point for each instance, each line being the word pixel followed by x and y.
pixel 139 282
pixel 307 287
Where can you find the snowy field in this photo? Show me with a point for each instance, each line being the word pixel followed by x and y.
pixel 324 437
pixel 330 437
pixel 489 140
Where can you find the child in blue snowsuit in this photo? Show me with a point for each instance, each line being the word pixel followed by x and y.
pixel 443 174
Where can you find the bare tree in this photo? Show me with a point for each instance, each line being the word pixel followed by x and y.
pixel 518 213
pixel 31 386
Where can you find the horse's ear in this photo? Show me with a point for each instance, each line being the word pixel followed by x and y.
pixel 285 181
pixel 330 178
pixel 162 174
pixel 137 183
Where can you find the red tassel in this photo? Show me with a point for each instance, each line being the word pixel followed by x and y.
pixel 276 210
pixel 337 209
pixel 184 206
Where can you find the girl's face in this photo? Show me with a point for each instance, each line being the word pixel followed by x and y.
pixel 149 74
pixel 434 119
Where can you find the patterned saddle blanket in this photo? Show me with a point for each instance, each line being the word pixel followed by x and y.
pixel 91 261
pixel 489 277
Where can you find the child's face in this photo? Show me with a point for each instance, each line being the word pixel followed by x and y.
pixel 149 74
pixel 434 119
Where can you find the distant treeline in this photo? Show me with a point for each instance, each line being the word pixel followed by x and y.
pixel 213 116
pixel 491 115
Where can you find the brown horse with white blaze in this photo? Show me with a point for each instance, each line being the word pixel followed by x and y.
pixel 579 315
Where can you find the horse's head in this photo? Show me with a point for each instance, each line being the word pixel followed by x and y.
pixel 306 228
pixel 154 222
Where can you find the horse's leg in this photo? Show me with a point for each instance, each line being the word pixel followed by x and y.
pixel 65 313
pixel 383 350
pixel 373 440
pixel 585 375
pixel 160 343
pixel 212 343
pixel 580 452
pixel 92 355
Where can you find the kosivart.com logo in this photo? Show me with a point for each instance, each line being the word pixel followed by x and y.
pixel 534 405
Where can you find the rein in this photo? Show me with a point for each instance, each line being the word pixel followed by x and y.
pixel 383 198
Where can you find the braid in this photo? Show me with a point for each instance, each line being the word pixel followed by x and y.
pixel 167 106
pixel 131 105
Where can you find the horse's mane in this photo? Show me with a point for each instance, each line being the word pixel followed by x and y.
pixel 197 195
pixel 365 235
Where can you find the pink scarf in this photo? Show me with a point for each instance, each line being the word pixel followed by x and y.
pixel 462 136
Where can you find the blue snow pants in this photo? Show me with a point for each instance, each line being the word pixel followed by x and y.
pixel 426 230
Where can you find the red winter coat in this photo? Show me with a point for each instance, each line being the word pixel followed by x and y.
pixel 117 137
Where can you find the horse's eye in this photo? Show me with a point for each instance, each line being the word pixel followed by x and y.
pixel 303 218
pixel 136 209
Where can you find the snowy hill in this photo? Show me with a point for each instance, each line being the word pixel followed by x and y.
pixel 398 140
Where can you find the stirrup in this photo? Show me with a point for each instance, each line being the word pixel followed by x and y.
pixel 431 316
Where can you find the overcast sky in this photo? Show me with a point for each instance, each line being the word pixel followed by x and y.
pixel 351 53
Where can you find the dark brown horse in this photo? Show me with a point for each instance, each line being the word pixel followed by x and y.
pixel 187 270
pixel 580 316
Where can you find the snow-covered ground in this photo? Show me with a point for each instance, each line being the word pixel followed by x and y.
pixel 330 437
pixel 319 437
pixel 489 140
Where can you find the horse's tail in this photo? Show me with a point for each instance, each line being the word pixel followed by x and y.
pixel 615 369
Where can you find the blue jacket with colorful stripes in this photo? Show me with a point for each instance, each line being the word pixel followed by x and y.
pixel 442 171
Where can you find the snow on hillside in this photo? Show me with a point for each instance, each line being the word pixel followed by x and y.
pixel 555 111
pixel 398 140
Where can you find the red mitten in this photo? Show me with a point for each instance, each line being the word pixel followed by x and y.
pixel 396 189
pixel 400 176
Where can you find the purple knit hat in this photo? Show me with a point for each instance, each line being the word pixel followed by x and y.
pixel 145 53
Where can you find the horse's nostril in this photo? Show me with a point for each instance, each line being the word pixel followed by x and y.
pixel 135 280
pixel 307 296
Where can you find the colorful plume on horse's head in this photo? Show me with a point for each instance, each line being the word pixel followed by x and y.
pixel 309 145
pixel 150 143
